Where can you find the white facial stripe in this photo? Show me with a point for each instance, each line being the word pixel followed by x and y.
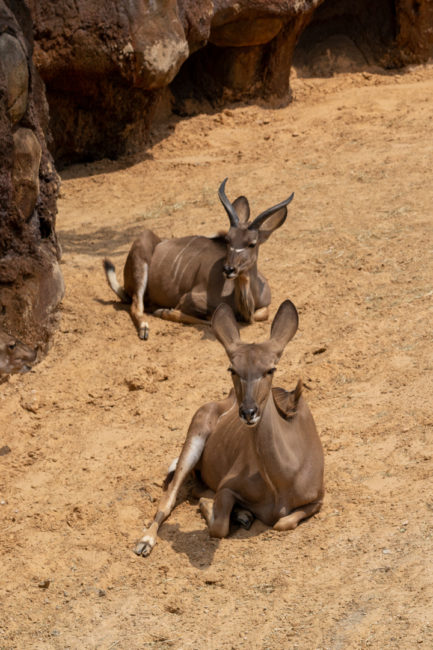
pixel 237 250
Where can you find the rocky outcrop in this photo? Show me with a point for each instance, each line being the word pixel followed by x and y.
pixel 107 66
pixel 103 65
pixel 414 41
pixel 110 67
pixel 31 284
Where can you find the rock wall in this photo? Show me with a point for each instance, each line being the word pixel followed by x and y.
pixel 109 67
pixel 414 41
pixel 31 284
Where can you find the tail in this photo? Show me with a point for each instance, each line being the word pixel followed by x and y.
pixel 110 273
pixel 170 473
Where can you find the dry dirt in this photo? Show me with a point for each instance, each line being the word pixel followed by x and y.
pixel 93 428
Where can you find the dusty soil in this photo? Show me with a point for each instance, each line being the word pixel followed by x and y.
pixel 93 428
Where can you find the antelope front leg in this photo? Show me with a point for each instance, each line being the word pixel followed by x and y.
pixel 141 272
pixel 137 315
pixel 188 458
pixel 217 512
pixel 199 430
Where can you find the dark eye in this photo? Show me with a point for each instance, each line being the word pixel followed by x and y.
pixel 271 371
pixel 252 245
pixel 12 346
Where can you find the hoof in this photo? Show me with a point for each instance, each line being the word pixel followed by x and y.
pixel 244 518
pixel 143 332
pixel 143 548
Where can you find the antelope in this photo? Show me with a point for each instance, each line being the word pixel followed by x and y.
pixel 258 450
pixel 185 279
pixel 14 355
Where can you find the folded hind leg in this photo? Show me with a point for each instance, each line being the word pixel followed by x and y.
pixel 177 316
pixel 289 522
pixel 194 302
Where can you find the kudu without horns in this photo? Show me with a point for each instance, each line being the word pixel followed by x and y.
pixel 15 356
pixel 185 279
pixel 258 450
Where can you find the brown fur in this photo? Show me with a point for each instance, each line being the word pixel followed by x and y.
pixel 258 450
pixel 185 279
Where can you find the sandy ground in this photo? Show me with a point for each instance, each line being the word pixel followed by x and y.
pixel 93 428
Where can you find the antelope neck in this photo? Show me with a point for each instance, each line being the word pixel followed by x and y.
pixel 266 440
pixel 246 293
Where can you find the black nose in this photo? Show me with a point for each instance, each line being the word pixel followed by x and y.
pixel 228 270
pixel 248 414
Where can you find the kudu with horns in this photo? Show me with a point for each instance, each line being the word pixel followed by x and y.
pixel 257 450
pixel 185 279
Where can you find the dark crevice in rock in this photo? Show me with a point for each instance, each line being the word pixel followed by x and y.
pixel 347 36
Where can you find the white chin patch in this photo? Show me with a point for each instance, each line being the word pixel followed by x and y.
pixel 252 422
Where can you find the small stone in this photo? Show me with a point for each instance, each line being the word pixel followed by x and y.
pixel 31 402
pixel 44 584
pixel 135 383
pixel 5 450
pixel 101 593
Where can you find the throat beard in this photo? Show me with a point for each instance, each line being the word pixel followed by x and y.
pixel 244 298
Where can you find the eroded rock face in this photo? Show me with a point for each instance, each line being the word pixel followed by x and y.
pixel 107 66
pixel 31 284
pixel 104 65
pixel 415 30
pixel 15 69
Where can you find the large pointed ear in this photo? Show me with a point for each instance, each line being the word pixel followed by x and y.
pixel 271 219
pixel 225 327
pixel 242 208
pixel 272 223
pixel 284 326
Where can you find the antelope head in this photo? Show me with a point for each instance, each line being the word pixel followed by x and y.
pixel 244 237
pixel 252 365
pixel 14 355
